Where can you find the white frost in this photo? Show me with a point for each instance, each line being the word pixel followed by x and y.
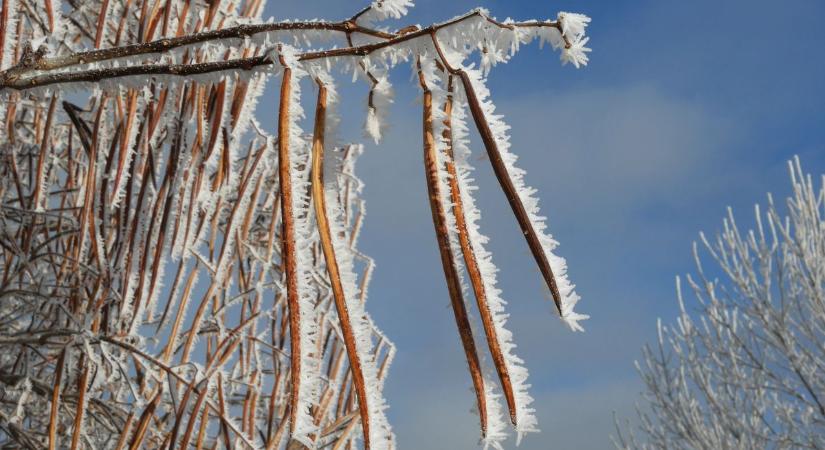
pixel 573 24
pixel 576 53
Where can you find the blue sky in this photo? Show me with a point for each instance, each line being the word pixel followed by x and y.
pixel 685 109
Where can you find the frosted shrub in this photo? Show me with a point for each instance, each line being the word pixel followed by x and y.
pixel 743 365
pixel 175 276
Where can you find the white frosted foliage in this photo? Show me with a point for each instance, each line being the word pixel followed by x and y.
pixel 386 9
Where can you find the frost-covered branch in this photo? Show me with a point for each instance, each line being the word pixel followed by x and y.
pixel 742 366
pixel 36 74
pixel 240 32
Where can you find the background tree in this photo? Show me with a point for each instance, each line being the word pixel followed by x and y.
pixel 175 276
pixel 746 371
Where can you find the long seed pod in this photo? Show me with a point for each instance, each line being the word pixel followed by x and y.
pixel 532 226
pixel 300 255
pixel 509 189
pixel 288 243
pixel 482 272
pixel 319 201
pixel 471 263
pixel 44 152
pixel 448 262
pixel 143 423
pixel 7 12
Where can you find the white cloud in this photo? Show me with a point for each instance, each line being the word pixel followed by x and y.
pixel 616 149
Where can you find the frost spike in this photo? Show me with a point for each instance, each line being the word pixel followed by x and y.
pixel 288 244
pixel 471 263
pixel 509 189
pixel 319 201
pixel 447 257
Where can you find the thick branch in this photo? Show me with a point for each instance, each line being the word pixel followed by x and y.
pixel 14 79
pixel 97 75
pixel 166 44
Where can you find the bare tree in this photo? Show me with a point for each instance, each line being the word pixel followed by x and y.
pixel 748 369
pixel 175 276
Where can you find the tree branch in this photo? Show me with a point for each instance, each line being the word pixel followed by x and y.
pixel 15 78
